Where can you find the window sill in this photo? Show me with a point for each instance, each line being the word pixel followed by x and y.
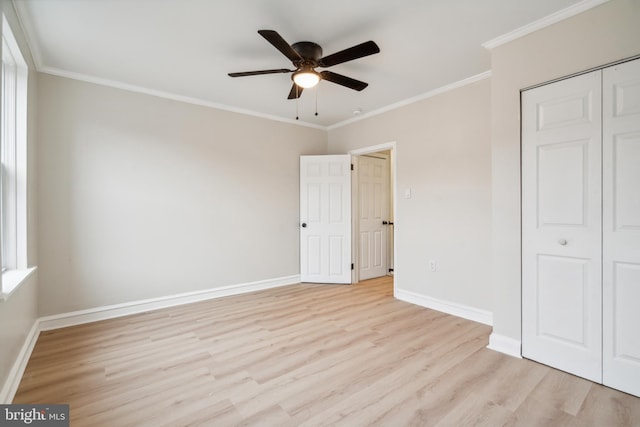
pixel 12 279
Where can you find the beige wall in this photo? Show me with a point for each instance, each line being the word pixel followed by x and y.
pixel 443 155
pixel 19 312
pixel 142 197
pixel 607 33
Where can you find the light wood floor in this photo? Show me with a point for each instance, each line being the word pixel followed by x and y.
pixel 305 355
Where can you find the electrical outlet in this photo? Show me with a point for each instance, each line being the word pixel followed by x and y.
pixel 432 265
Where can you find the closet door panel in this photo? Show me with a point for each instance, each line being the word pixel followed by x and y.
pixel 561 225
pixel 621 227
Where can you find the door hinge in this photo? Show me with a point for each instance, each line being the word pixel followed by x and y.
pixel 352 266
pixel 351 166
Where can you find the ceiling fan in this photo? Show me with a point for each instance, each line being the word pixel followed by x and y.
pixel 306 56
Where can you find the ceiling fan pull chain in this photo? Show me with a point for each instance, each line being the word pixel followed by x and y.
pixel 317 100
pixel 297 103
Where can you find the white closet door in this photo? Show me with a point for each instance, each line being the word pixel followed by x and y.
pixel 561 225
pixel 621 227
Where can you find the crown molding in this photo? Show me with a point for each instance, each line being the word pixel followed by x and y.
pixel 30 36
pixel 414 99
pixel 172 96
pixel 36 54
pixel 202 102
pixel 558 16
pixel 28 31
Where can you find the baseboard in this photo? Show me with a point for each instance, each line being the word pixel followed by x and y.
pixel 118 310
pixel 455 309
pixel 17 370
pixel 504 344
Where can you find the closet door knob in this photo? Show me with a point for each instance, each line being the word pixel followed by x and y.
pixel 562 242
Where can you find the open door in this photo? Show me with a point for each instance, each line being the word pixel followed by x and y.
pixel 372 218
pixel 325 219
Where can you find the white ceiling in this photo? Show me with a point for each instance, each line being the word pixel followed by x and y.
pixel 185 48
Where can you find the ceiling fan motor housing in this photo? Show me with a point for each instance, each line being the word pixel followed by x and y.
pixel 308 51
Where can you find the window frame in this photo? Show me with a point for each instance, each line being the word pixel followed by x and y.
pixel 13 168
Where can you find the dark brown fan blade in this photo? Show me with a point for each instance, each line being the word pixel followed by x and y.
pixel 295 92
pixel 257 73
pixel 279 43
pixel 355 52
pixel 343 80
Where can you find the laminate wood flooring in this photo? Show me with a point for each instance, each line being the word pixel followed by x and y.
pixel 305 355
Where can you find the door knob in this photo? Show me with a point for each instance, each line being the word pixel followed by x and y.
pixel 304 225
pixel 562 242
pixel 385 222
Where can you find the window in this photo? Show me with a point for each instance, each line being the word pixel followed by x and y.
pixel 13 156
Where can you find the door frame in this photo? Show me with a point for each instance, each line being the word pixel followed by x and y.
pixel 391 147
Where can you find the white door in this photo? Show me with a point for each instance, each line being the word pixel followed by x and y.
pixel 621 227
pixel 325 219
pixel 561 225
pixel 373 216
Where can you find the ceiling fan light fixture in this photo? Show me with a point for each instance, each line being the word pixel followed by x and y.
pixel 306 78
pixel 305 56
